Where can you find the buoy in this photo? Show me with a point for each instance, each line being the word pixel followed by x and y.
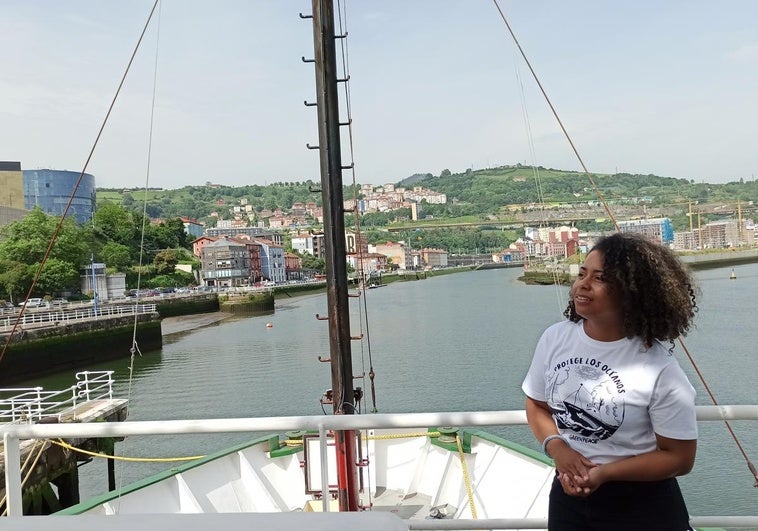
pixel 732 276
pixel 269 325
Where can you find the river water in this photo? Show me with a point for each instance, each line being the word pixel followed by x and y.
pixel 458 342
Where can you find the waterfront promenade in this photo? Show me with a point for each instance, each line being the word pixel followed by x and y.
pixel 33 319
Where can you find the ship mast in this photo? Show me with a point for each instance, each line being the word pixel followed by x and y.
pixel 343 397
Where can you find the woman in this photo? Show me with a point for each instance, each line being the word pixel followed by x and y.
pixel 607 399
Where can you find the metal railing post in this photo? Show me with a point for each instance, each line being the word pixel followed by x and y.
pixel 84 384
pixel 39 404
pixel 13 500
pixel 322 440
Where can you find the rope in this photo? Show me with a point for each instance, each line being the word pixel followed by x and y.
pixel 466 477
pixel 60 442
pixel 728 425
pixel 134 350
pixel 557 118
pixel 403 435
pixel 135 347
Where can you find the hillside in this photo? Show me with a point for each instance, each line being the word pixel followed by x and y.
pixel 473 195
pixel 493 188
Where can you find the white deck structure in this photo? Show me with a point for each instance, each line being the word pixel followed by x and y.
pixel 496 485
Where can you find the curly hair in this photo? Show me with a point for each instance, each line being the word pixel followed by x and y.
pixel 655 288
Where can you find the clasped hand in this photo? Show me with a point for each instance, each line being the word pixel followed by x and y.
pixel 578 475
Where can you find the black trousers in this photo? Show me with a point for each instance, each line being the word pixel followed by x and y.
pixel 620 506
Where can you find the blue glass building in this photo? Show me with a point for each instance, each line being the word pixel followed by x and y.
pixel 51 189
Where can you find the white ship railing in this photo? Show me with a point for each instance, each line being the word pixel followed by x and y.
pixel 14 433
pixel 31 404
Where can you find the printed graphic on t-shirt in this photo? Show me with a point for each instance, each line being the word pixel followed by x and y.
pixel 587 397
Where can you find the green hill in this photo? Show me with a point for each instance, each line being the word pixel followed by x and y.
pixel 472 195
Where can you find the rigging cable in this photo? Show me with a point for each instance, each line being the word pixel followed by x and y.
pixel 134 349
pixel 736 440
pixel 78 183
pixel 728 425
pixel 346 71
pixel 363 310
pixel 536 173
pixel 557 118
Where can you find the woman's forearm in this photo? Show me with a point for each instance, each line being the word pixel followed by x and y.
pixel 672 458
pixel 540 419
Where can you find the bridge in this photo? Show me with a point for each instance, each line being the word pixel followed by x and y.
pixel 44 462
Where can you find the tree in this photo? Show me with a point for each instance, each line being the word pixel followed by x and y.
pixel 165 261
pixel 57 276
pixel 176 227
pixel 27 240
pixel 313 263
pixel 127 200
pixel 116 255
pixel 116 223
pixel 15 279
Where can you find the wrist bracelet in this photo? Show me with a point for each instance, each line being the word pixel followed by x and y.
pixel 551 438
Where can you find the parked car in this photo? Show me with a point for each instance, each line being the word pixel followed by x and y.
pixel 58 303
pixel 34 302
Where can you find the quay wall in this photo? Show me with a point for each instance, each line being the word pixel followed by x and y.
pixel 726 258
pixel 205 303
pixel 75 346
pixel 248 303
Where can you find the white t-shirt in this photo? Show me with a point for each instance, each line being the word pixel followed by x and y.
pixel 609 399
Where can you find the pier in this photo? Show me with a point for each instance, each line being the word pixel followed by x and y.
pixel 48 463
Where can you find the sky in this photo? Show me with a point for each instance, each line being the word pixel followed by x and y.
pixel 668 88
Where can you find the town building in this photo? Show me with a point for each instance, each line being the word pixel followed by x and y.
pixel 434 257
pixel 397 253
pixel 293 266
pixel 199 243
pixel 722 234
pixel 192 227
pixel 658 229
pixel 244 231
pixel 51 190
pixel 313 244
pixel 12 205
pixel 225 262
pixel 547 242
pixel 101 286
pixel 355 243
pixel 368 263
pixel 272 261
pixel 508 256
